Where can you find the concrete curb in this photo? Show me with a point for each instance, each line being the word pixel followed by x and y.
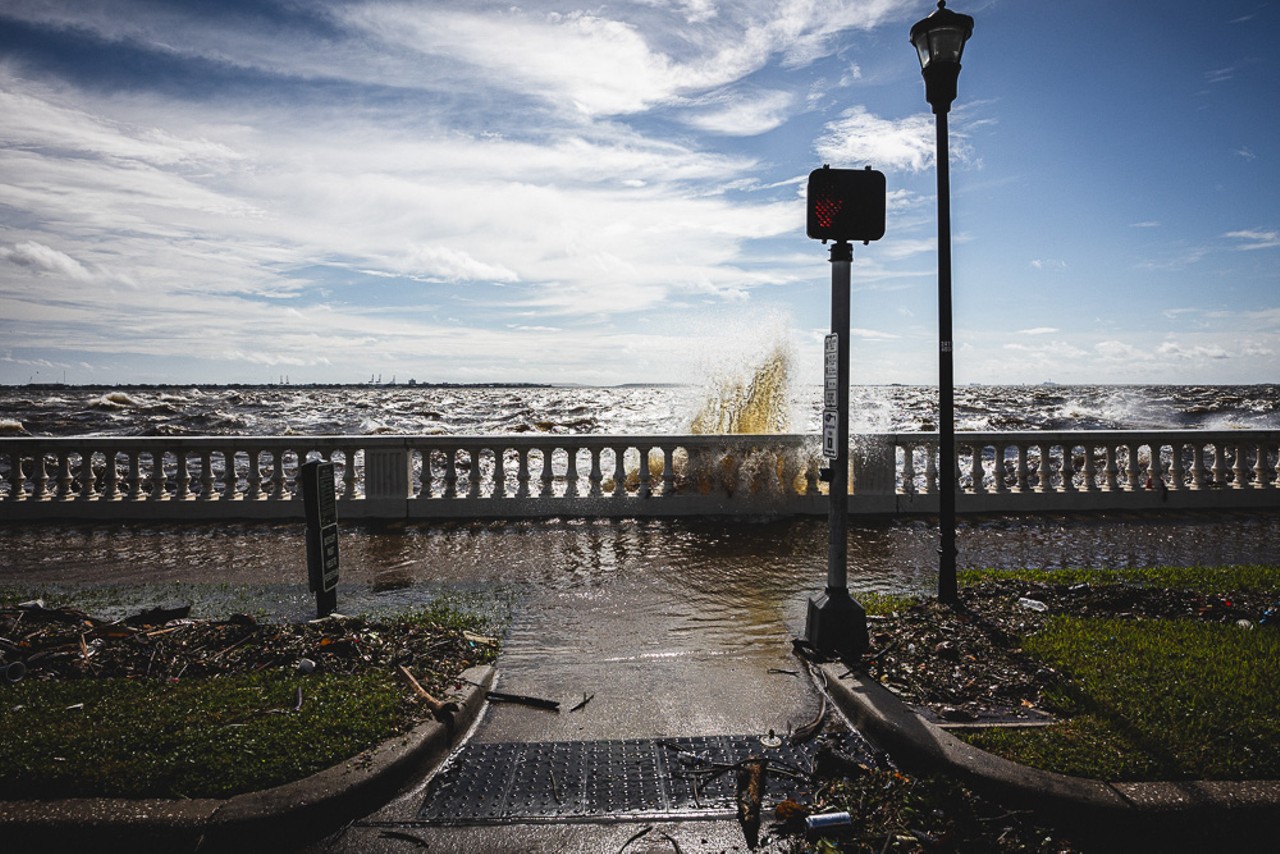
pixel 1182 811
pixel 275 818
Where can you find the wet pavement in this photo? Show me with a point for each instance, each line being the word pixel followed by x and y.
pixel 655 662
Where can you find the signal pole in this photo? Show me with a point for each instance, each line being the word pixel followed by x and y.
pixel 843 205
pixel 836 622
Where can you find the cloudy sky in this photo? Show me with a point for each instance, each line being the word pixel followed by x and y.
pixel 475 191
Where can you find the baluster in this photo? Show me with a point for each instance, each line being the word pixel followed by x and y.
pixel 1259 466
pixel 1133 484
pixel 1237 466
pixel 253 476
pixel 1043 471
pixel 597 475
pixel 522 473
pixel 499 472
pixel 277 475
pixel 64 476
pixel 1176 471
pixel 473 476
pixel 547 477
pixel 133 480
pixel 1021 472
pixel 1197 467
pixel 1090 472
pixel 1155 467
pixel 40 490
pixel 908 485
pixel 976 469
pixel 571 472
pixel 644 472
pixel 17 484
pixel 86 476
pixel 451 473
pixel 159 478
pixel 669 474
pixel 206 476
pixel 1068 467
pixel 931 470
pixel 230 477
pixel 811 478
pixel 998 468
pixel 110 477
pixel 1110 469
pixel 1275 475
pixel 184 478
pixel 1219 467
pixel 620 472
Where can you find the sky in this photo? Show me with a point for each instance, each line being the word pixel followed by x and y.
pixel 322 191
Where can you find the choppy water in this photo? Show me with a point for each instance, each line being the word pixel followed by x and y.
pixel 428 410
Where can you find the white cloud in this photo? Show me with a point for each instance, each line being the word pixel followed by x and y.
pixel 1038 330
pixel 859 138
pixel 1255 238
pixel 1052 264
pixel 43 259
pixel 1195 352
pixel 743 114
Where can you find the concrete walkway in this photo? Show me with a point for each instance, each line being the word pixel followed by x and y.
pixel 651 669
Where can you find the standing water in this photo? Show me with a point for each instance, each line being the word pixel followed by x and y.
pixel 733 583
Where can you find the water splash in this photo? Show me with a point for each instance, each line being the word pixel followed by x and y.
pixel 761 404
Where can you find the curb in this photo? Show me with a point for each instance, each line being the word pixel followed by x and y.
pixel 1183 813
pixel 286 815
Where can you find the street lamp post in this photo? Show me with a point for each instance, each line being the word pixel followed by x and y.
pixel 939 40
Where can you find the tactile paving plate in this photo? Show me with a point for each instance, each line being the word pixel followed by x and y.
pixel 618 779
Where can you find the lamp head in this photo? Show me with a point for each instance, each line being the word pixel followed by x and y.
pixel 939 41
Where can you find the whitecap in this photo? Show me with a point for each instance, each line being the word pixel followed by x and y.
pixel 116 400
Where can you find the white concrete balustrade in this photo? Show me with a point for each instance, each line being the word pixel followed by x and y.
pixel 426 477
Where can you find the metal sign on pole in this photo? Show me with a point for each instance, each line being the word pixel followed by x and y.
pixel 320 503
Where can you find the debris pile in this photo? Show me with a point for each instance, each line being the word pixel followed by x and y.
pixel 966 664
pixel 37 642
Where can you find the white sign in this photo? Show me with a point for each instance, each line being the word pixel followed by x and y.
pixel 830 429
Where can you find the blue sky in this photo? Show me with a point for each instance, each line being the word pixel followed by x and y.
pixel 609 193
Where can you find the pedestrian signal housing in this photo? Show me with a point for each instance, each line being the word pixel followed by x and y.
pixel 846 204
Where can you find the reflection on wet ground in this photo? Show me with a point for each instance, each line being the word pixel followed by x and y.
pixel 676 627
pixel 749 579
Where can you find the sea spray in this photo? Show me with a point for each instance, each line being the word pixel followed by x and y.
pixel 737 405
pixel 760 404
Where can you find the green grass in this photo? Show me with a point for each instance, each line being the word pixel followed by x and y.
pixel 195 738
pixel 206 737
pixel 1204 578
pixel 1154 700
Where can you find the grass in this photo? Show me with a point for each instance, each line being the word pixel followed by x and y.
pixel 1154 699
pixel 207 737
pixel 1256 577
pixel 192 739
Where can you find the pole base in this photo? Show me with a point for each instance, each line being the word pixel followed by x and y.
pixel 837 624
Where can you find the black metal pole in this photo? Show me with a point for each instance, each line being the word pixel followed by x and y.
pixel 836 622
pixel 947 589
pixel 838 506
